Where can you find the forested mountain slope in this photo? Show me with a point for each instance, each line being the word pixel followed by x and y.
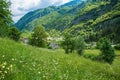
pixel 98 19
pixel 92 19
pixel 31 19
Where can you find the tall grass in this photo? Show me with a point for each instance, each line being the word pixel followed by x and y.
pixel 24 62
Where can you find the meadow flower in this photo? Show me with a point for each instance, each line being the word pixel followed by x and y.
pixel 39 72
pixel 13 59
pixel 5 63
pixel 5 72
pixel 3 56
pixel 3 66
pixel 20 61
pixel 8 68
pixel 43 76
pixel 11 66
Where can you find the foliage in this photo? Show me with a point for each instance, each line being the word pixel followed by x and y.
pixel 24 62
pixel 25 34
pixel 80 45
pixel 117 47
pixel 92 5
pixel 38 37
pixel 5 17
pixel 107 52
pixel 100 43
pixel 68 43
pixel 14 33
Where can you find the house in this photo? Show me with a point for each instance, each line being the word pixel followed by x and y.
pixel 25 40
pixel 53 45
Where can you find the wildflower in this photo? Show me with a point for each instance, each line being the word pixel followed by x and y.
pixel 5 63
pixel 39 72
pixel 13 59
pixel 3 56
pixel 5 72
pixel 43 76
pixel 11 66
pixel 56 63
pixel 8 68
pixel 20 61
pixel 3 66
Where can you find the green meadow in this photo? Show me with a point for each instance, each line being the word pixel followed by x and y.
pixel 23 62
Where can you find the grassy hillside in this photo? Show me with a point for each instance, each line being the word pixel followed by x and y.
pixel 24 62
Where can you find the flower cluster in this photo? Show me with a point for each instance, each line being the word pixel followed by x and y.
pixel 5 69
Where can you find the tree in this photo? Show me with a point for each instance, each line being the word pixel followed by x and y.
pixel 38 37
pixel 5 17
pixel 14 33
pixel 68 43
pixel 107 52
pixel 79 45
pixel 99 43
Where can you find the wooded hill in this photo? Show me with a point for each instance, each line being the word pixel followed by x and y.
pixel 92 19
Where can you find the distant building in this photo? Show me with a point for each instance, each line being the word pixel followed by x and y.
pixel 53 46
pixel 25 40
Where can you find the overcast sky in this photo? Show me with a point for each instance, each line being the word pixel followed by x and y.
pixel 21 7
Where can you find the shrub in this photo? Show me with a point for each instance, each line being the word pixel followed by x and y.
pixel 117 47
pixel 107 52
pixel 38 37
pixel 91 56
pixel 14 33
pixel 99 43
pixel 68 43
pixel 79 45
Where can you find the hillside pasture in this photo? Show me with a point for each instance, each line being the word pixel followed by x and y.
pixel 24 62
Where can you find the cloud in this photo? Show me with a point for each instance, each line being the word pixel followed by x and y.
pixel 21 7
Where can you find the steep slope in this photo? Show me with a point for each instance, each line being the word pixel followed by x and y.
pixel 98 19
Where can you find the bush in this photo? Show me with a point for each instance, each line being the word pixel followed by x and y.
pixel 91 56
pixel 68 43
pixel 38 37
pixel 117 47
pixel 80 45
pixel 14 33
pixel 99 43
pixel 107 52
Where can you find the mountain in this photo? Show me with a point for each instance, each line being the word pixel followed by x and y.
pixel 92 19
pixel 34 15
pixel 27 19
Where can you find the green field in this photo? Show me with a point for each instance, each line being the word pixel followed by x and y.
pixel 23 62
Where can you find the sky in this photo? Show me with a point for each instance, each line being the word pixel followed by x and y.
pixel 20 7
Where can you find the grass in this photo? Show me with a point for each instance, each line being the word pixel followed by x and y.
pixel 24 62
